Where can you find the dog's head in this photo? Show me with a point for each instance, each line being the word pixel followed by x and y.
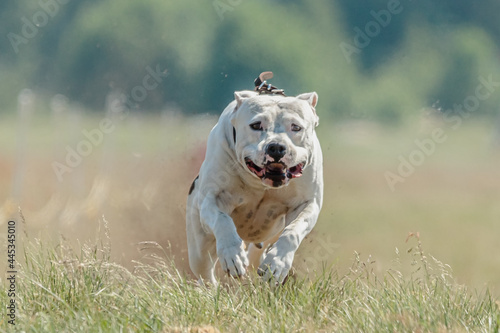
pixel 274 134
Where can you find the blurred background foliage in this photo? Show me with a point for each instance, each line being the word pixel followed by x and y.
pixel 431 53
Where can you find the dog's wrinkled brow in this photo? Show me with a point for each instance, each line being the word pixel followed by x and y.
pixel 262 107
pixel 292 107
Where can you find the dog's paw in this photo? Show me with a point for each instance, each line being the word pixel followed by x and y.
pixel 275 267
pixel 233 259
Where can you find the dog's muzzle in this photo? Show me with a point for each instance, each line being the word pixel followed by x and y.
pixel 274 174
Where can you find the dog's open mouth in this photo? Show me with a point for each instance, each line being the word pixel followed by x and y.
pixel 275 171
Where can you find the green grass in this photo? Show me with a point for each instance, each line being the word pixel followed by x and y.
pixel 452 200
pixel 65 290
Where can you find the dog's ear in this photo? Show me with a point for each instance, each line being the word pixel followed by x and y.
pixel 312 99
pixel 241 96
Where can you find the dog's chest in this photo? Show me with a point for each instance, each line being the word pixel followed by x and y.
pixel 259 220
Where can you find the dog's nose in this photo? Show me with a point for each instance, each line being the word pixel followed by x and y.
pixel 276 151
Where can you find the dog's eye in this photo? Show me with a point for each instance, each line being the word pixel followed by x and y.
pixel 296 128
pixel 256 126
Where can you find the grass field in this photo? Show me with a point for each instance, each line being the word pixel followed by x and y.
pixel 353 273
pixel 66 291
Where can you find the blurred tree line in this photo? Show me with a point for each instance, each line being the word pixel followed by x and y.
pixel 381 59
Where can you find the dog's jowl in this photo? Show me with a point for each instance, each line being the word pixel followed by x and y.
pixel 260 189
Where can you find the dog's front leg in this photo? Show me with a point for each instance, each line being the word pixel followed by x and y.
pixel 279 258
pixel 230 246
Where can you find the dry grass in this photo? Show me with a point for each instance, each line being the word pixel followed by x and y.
pixel 131 192
pixel 139 177
pixel 138 185
pixel 71 289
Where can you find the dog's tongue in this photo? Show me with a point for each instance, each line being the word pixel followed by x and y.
pixel 277 168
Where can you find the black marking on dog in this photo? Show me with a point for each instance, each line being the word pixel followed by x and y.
pixel 255 233
pixel 250 227
pixel 249 215
pixel 277 179
pixel 191 189
pixel 259 245
pixel 223 199
pixel 270 213
pixel 258 205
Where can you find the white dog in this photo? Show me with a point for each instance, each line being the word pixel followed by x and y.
pixel 261 184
